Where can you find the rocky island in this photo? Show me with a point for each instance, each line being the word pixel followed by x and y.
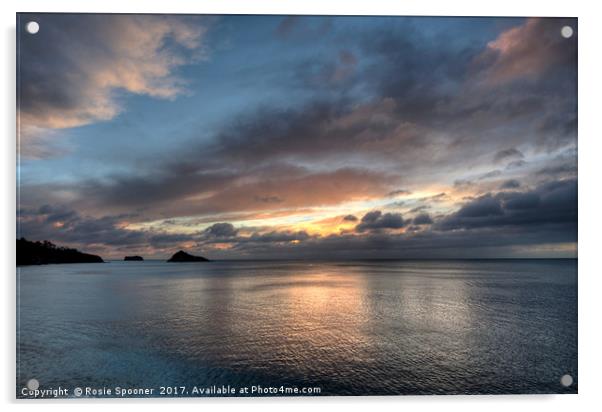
pixel 182 256
pixel 133 258
pixel 44 253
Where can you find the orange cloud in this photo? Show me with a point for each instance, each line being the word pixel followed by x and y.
pixel 112 52
pixel 527 50
pixel 320 189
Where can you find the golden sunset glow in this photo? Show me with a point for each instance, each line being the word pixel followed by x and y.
pixel 406 148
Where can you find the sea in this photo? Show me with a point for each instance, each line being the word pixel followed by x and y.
pixel 297 328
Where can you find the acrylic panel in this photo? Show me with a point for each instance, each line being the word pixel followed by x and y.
pixel 266 205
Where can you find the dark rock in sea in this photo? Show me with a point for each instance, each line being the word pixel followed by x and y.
pixel 43 253
pixel 136 258
pixel 182 256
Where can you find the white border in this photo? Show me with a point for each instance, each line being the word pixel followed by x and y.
pixel 590 35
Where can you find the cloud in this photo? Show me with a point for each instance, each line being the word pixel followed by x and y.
pixel 482 207
pixel 489 175
pixel 516 164
pixel 66 226
pixel 563 169
pixel 529 50
pixel 200 193
pixel 395 131
pixel 111 235
pixel 422 219
pixel 411 68
pixel 391 108
pixel 510 184
pixel 73 72
pixel 376 220
pixel 332 72
pixel 452 89
pixel 439 197
pixel 399 192
pixel 278 237
pixel 512 154
pixel 419 208
pixel 221 230
pixel 315 131
pixel 491 225
pixel 521 201
pixel 425 244
pixel 163 241
pixel 551 203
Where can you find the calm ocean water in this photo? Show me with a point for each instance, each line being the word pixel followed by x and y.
pixel 355 328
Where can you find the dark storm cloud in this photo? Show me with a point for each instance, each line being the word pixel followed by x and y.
pixel 552 203
pixel 482 207
pixel 376 220
pixel 350 218
pixel 221 230
pixel 422 219
pixel 410 69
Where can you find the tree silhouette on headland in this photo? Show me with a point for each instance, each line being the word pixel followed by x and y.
pixel 45 252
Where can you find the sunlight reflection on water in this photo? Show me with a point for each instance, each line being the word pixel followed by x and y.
pixel 352 328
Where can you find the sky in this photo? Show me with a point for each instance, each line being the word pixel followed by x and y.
pixel 298 137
